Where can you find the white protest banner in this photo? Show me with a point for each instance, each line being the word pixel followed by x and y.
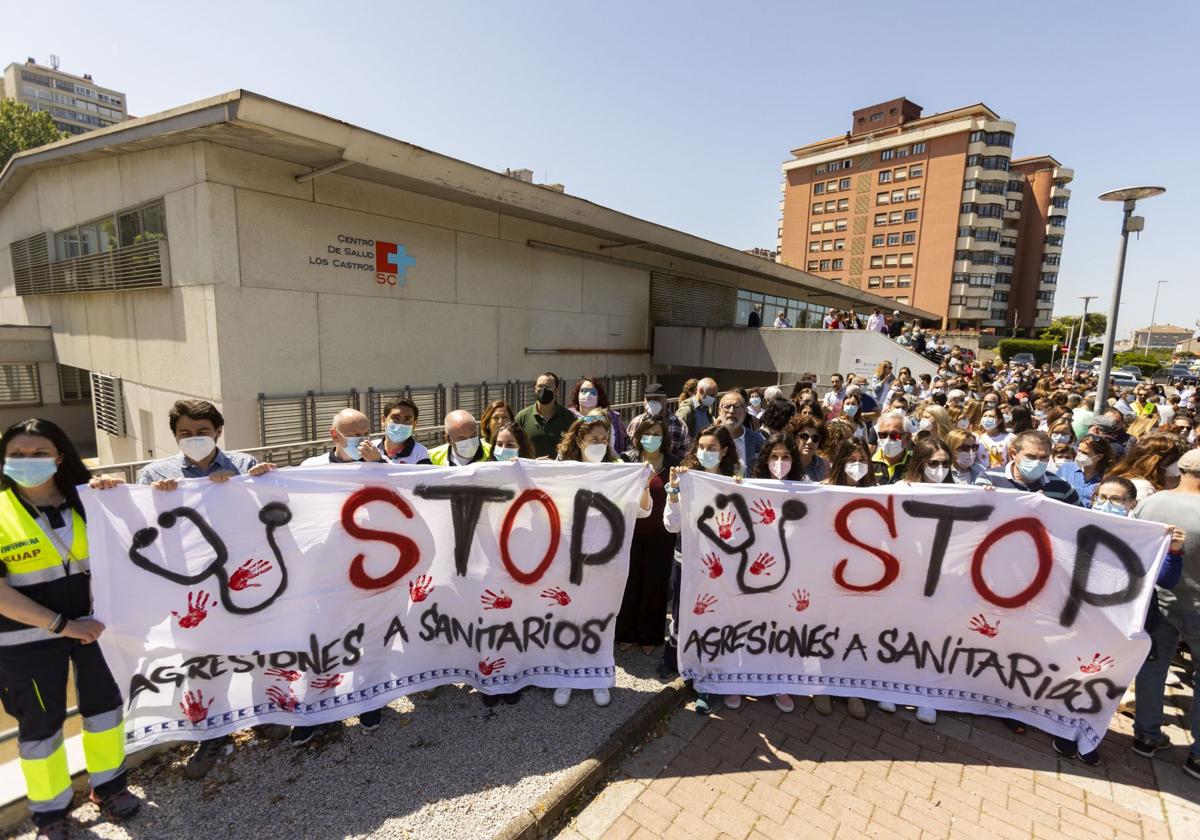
pixel 309 595
pixel 993 602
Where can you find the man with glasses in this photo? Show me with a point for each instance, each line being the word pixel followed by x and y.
pixel 890 461
pixel 747 441
pixel 1180 614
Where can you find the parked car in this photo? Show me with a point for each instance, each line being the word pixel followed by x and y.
pixel 1023 359
pixel 1132 370
pixel 1124 379
pixel 1176 373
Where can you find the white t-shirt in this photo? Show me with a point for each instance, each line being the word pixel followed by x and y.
pixel 997 448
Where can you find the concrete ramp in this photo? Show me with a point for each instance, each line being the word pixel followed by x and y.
pixel 782 351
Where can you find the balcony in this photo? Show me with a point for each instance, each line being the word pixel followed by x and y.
pixel 1060 192
pixel 1062 173
pixel 142 266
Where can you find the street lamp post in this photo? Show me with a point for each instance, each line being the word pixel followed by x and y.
pixel 1082 327
pixel 1129 198
pixel 1154 314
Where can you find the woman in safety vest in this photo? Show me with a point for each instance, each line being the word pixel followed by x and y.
pixel 45 598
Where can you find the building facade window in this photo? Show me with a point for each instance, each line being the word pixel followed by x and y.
pixel 873 282
pixel 818 189
pixel 885 176
pixel 916 170
pixel 844 184
pixel 840 224
pixel 1052 259
pixel 882 198
pixel 1049 277
pixel 910 215
pixel 908 237
pixel 825 265
pixel 843 204
pixel 839 244
pixel 877 240
pixel 914 193
pixel 1057 221
pixel 815 227
pixel 818 206
pixel 1054 239
pixel 904 280
pixel 20 385
pixel 918 148
pixel 991 138
pixel 895 217
pixel 887 154
pixel 837 264
pixel 999 162
pixel 893 239
pixel 880 219
pixel 877 261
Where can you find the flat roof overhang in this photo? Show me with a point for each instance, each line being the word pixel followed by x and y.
pixel 260 125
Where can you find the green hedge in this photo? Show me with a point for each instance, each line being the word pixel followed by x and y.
pixel 1146 364
pixel 1010 347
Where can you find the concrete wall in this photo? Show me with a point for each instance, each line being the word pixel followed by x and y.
pixel 772 351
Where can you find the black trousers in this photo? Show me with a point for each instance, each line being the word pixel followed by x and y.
pixel 643 612
pixel 33 688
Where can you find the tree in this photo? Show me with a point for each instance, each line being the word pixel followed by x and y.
pixel 23 128
pixel 1060 328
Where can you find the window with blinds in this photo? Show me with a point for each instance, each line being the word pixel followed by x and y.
pixel 74 384
pixel 108 404
pixel 20 385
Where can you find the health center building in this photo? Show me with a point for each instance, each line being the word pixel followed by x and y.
pixel 239 249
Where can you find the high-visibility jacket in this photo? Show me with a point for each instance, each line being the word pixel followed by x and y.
pixel 35 565
pixel 440 455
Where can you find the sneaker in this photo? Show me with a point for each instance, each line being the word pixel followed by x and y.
pixel 1065 747
pixel 301 735
pixel 206 755
pixel 823 703
pixel 1091 759
pixel 601 696
pixel 562 696
pixel 733 701
pixel 927 715
pixel 784 703
pixel 856 708
pixel 885 706
pixel 1192 766
pixel 703 704
pixel 370 721
pixel 1149 746
pixel 118 806
pixel 669 665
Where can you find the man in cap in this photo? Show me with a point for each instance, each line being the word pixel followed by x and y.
pixel 679 442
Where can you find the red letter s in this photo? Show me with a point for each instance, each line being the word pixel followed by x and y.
pixel 891 566
pixel 410 555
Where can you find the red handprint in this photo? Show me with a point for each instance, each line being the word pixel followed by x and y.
pixel 712 565
pixel 197 610
pixel 419 589
pixel 980 625
pixel 326 683
pixel 241 577
pixel 288 702
pixel 704 603
pixel 556 596
pixel 285 674
pixel 193 706
pixel 488 668
pixel 764 511
pixel 493 601
pixel 761 563
pixel 1097 664
pixel 726 522
pixel 800 600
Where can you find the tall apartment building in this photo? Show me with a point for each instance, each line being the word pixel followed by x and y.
pixel 933 212
pixel 76 103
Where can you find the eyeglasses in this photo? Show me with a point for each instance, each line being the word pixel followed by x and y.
pixel 968 447
pixel 807 438
pixel 891 435
pixel 588 392
pixel 1100 498
pixel 941 463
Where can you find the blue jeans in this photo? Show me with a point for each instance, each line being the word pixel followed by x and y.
pixel 1152 678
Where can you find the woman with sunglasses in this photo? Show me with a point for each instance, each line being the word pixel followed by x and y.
pixel 713 451
pixel 966 468
pixel 930 464
pixel 809 434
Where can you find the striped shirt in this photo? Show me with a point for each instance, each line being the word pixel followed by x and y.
pixel 1049 485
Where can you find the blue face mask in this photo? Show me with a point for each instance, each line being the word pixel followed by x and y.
pixel 505 453
pixel 651 443
pixel 1111 507
pixel 351 447
pixel 708 458
pixel 398 432
pixel 30 472
pixel 1032 469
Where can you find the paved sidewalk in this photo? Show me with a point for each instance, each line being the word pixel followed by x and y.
pixel 757 773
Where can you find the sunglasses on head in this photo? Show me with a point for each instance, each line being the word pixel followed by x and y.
pixel 592 418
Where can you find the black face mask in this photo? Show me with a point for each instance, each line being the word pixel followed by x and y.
pixel 545 395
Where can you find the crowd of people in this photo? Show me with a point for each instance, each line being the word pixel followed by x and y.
pixel 984 425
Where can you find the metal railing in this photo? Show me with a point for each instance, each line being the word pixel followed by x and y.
pixel 142 266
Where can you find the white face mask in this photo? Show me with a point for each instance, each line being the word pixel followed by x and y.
pixel 936 475
pixel 1083 461
pixel 891 448
pixel 855 470
pixel 594 453
pixel 466 449
pixel 780 467
pixel 587 401
pixel 964 424
pixel 965 459
pixel 654 408
pixel 925 424
pixel 198 447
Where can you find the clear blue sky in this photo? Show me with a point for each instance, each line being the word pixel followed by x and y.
pixel 682 113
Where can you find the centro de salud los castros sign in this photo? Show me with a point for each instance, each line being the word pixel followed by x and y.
pixel 389 261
